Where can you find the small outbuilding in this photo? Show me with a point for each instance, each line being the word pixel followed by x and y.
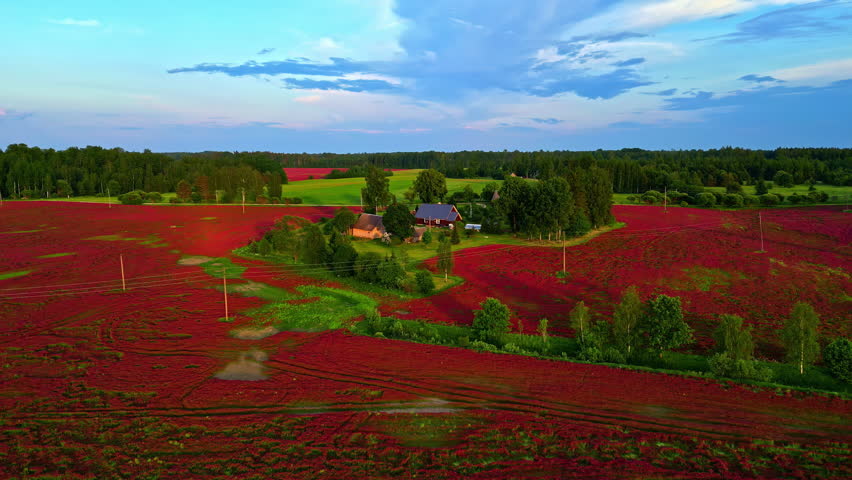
pixel 473 226
pixel 369 226
pixel 437 214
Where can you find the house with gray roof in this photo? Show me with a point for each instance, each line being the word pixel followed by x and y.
pixel 437 214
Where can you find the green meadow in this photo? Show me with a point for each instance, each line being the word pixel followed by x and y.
pixel 347 191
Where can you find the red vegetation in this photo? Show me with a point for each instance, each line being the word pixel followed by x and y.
pixel 709 258
pixel 105 383
pixel 297 174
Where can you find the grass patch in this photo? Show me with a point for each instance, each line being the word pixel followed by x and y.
pixel 318 309
pixel 703 278
pixel 19 273
pixel 57 255
pixel 208 218
pixel 215 267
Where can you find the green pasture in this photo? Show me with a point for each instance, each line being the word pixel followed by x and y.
pixel 57 255
pixel 19 273
pixel 836 194
pixel 347 191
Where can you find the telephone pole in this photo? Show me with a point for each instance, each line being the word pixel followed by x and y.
pixel 225 290
pixel 123 283
pixel 244 200
pixel 563 255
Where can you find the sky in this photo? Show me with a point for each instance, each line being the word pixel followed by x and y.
pixel 410 75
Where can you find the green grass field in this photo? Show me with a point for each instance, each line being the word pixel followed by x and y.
pixel 836 194
pixel 347 191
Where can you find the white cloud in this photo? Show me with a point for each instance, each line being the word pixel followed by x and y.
pixel 816 74
pixel 327 43
pixel 644 15
pixel 76 23
pixel 466 24
pixel 372 76
pixel 548 55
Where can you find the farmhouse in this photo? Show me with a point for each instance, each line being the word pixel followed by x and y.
pixel 441 214
pixel 368 226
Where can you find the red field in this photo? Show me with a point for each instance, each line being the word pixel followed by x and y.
pixel 102 383
pixel 709 258
pixel 297 174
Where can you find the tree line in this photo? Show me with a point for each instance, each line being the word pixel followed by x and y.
pixel 32 172
pixel 632 170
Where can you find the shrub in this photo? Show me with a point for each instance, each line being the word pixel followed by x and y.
pixel 154 197
pixel 131 198
pixel 733 200
pixel 838 359
pixel 723 365
pixel 769 199
pixel 261 200
pixel 751 200
pixel 425 284
pixel 706 199
pixel 427 237
pixel 175 200
pixel 483 346
pixel 578 225
pixel 455 239
pixel 817 196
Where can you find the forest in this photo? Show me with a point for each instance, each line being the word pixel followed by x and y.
pixel 33 172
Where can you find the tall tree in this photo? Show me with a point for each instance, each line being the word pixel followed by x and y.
pixel 377 192
pixel 430 185
pixel 445 257
pixel 513 194
pixel 274 186
pixel 491 320
pixel 314 250
pixel 343 220
pixel 626 318
pixel 580 319
pixel 599 197
pixel 800 336
pixel 399 221
pixel 733 338
pixel 664 325
pixel 202 186
pixel 184 190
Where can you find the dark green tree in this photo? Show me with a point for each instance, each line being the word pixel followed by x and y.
pixel 427 237
pixel 663 324
pixel 491 320
pixel 838 359
pixel 511 203
pixel 390 273
pixel 63 188
pixel 455 239
pixel 376 194
pixel 184 190
pixel 760 187
pixel 783 179
pixel 343 220
pixel 399 221
pixel 430 185
pixel 800 336
pixel 274 186
pixel 599 197
pixel 313 248
pixel 425 284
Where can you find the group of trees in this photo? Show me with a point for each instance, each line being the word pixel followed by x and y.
pixel 638 328
pixel 732 197
pixel 633 170
pixel 305 244
pixel 572 205
pixel 31 172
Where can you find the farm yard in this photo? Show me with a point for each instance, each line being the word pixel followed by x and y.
pixel 87 366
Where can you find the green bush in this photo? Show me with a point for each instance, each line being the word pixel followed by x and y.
pixel 131 198
pixel 427 237
pixel 706 199
pixel 723 365
pixel 733 200
pixel 154 197
pixel 769 199
pixel 838 359
pixel 425 284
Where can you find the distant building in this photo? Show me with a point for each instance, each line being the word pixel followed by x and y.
pixel 368 226
pixel 418 235
pixel 473 226
pixel 495 197
pixel 437 214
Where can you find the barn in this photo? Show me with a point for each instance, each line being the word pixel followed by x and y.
pixel 368 226
pixel 440 214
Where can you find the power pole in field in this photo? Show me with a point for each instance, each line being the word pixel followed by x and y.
pixel 563 255
pixel 225 290
pixel 123 282
pixel 244 200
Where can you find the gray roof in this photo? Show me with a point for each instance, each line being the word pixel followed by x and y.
pixel 433 211
pixel 368 222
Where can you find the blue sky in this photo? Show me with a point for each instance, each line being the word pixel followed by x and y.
pixel 390 75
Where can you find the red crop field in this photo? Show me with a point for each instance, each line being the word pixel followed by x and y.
pixel 297 174
pixel 98 382
pixel 709 258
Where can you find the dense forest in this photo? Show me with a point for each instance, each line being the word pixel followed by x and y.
pixel 34 172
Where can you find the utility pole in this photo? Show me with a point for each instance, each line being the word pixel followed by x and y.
pixel 563 255
pixel 123 282
pixel 109 199
pixel 225 290
pixel 760 221
pixel 244 200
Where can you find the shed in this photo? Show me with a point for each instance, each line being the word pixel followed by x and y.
pixel 437 214
pixel 368 226
pixel 418 235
